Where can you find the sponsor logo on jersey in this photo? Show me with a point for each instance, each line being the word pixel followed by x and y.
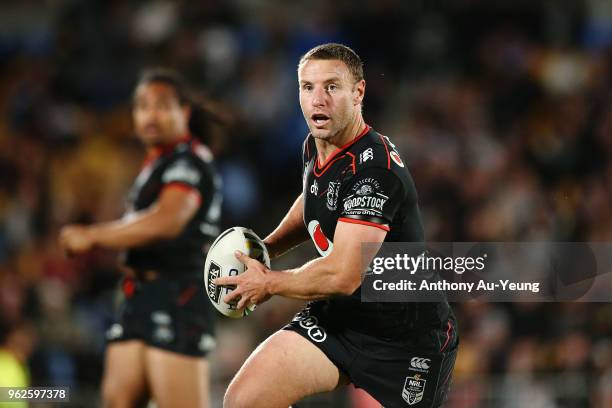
pixel 314 187
pixel 367 154
pixel 365 189
pixel 396 159
pixel 366 203
pixel 214 291
pixel 315 332
pixel 332 195
pixel 414 389
pixel 182 171
pixel 420 364
pixel 324 246
pixel 394 154
pixel 367 198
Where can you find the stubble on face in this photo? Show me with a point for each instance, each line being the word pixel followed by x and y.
pixel 326 97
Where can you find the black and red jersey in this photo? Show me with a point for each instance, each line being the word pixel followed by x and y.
pixel 186 165
pixel 365 182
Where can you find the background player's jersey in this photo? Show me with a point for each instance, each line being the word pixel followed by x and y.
pixel 366 182
pixel 187 165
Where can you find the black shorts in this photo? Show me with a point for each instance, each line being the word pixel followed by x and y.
pixel 415 371
pixel 169 313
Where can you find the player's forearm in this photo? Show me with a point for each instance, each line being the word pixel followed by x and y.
pixel 317 279
pixel 143 228
pixel 289 233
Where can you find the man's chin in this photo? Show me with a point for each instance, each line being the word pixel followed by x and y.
pixel 322 134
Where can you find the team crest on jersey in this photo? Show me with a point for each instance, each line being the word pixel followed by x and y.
pixel 332 195
pixel 414 389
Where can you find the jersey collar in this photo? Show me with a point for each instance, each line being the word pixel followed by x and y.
pixel 341 148
pixel 165 149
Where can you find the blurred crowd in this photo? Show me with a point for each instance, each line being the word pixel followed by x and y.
pixel 502 111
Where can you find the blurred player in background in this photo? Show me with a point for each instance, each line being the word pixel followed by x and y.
pixel 356 188
pixel 164 329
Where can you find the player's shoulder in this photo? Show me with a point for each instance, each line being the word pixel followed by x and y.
pixel 375 150
pixel 193 152
pixel 309 148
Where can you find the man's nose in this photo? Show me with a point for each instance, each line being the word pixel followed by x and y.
pixel 318 97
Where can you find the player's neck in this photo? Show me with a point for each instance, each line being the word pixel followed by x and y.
pixel 326 148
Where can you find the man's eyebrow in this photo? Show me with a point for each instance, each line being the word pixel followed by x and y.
pixel 330 79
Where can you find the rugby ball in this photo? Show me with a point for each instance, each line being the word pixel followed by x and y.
pixel 221 261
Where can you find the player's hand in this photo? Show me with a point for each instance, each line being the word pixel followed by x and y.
pixel 251 285
pixel 76 239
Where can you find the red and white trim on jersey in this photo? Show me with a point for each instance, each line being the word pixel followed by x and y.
pixel 353 163
pixel 322 168
pixel 387 150
pixel 156 152
pixel 448 332
pixel 384 227
pixel 184 187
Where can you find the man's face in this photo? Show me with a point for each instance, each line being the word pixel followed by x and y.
pixel 329 96
pixel 159 117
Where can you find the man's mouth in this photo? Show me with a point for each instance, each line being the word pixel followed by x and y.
pixel 151 128
pixel 320 119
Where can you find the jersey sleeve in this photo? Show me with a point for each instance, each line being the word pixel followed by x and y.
pixel 371 197
pixel 184 174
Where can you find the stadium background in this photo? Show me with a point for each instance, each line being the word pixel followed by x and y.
pixel 503 112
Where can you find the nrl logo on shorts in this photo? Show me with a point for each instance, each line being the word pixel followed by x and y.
pixel 332 195
pixel 414 388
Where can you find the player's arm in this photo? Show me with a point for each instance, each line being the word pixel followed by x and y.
pixel 165 219
pixel 339 273
pixel 290 232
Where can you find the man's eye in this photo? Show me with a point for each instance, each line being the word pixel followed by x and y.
pixel 332 87
pixel 307 87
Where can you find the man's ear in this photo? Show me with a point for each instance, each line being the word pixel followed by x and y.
pixel 359 92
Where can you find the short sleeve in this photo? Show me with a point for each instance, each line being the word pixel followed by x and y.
pixel 372 197
pixel 183 172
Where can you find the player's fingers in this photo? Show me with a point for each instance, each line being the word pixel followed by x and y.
pixel 245 301
pixel 242 303
pixel 242 257
pixel 226 280
pixel 229 298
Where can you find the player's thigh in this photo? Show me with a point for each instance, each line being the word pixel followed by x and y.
pixel 177 380
pixel 124 382
pixel 282 370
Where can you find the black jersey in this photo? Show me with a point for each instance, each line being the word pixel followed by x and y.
pixel 186 165
pixel 366 182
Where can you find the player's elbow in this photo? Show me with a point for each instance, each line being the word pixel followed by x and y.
pixel 170 229
pixel 346 284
